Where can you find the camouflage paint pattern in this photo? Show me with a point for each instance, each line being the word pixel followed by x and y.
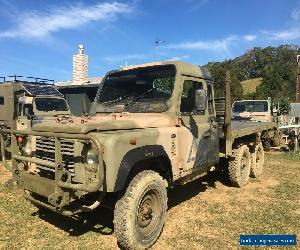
pixel 181 147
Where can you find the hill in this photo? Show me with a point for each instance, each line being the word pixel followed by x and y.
pixel 276 66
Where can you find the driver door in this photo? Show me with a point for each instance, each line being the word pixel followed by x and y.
pixel 195 132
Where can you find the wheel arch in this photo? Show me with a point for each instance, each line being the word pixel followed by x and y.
pixel 248 140
pixel 149 157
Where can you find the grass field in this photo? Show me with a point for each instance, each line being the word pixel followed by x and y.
pixel 205 214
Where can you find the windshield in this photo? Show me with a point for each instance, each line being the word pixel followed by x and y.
pixel 250 106
pixel 51 104
pixel 138 90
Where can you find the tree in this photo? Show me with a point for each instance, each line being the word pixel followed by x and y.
pixel 276 65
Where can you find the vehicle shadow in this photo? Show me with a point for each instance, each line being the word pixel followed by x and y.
pixel 180 194
pixel 101 219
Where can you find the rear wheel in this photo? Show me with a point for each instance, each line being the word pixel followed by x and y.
pixel 257 161
pixel 239 166
pixel 140 214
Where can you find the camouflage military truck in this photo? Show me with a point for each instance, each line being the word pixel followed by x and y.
pixel 152 127
pixel 24 103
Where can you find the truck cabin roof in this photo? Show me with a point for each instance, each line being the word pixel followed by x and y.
pixel 32 88
pixel 183 68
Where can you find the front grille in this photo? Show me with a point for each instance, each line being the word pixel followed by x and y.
pixel 45 150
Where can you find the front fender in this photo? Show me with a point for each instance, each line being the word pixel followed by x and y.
pixel 134 156
pixel 116 144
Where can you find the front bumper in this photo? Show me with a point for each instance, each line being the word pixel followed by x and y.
pixel 56 194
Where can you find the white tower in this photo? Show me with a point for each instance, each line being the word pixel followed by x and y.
pixel 80 67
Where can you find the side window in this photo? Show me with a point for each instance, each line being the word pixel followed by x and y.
pixel 20 109
pixel 210 99
pixel 28 109
pixel 188 96
pixel 163 87
pixel 1 100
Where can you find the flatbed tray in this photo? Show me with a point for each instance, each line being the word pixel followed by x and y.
pixel 243 128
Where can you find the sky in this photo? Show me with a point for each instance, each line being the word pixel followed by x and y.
pixel 39 38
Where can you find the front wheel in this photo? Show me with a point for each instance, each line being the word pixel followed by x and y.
pixel 140 214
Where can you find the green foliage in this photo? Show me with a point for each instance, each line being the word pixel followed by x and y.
pixel 218 71
pixel 289 156
pixel 276 65
pixel 284 105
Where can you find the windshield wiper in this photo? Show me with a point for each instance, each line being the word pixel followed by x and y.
pixel 140 96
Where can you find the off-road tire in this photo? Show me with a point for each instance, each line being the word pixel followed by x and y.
pixel 239 166
pixel 257 161
pixel 266 145
pixel 147 187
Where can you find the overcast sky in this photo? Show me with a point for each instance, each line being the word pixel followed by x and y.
pixel 39 38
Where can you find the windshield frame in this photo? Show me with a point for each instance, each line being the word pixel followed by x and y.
pixel 38 112
pixel 97 106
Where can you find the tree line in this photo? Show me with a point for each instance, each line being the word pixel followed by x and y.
pixel 276 65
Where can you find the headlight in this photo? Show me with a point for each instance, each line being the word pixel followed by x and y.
pixel 91 159
pixel 27 148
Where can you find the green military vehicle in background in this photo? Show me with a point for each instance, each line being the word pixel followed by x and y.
pixel 152 127
pixel 25 102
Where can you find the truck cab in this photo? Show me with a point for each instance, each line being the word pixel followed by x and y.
pixel 254 110
pixel 24 103
pixel 35 109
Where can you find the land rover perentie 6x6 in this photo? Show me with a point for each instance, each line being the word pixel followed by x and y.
pixel 151 127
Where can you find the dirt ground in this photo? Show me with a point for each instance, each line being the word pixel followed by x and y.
pixel 204 214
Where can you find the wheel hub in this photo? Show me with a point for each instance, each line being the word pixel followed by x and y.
pixel 145 214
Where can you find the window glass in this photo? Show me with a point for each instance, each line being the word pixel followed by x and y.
pixel 210 100
pixel 137 90
pixel 250 106
pixel 188 96
pixel 50 104
pixel 1 100
pixel 28 109
pixel 19 109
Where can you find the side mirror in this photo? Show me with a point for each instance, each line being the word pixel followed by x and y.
pixel 200 100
